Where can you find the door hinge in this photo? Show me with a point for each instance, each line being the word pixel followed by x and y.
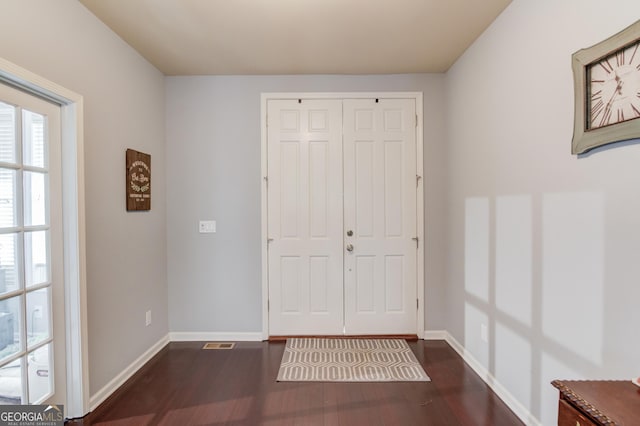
pixel 418 177
pixel 416 120
pixel 416 239
pixel 268 305
pixel 266 180
pixel 417 303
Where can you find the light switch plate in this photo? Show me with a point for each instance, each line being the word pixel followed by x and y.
pixel 207 226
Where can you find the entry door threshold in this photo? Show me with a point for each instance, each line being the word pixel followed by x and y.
pixel 409 337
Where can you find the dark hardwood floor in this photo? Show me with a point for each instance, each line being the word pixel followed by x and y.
pixel 185 385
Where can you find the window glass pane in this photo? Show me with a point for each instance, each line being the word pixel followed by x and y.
pixel 9 272
pixel 7 133
pixel 35 199
pixel 39 378
pixel 11 383
pixel 8 202
pixel 10 315
pixel 36 259
pixel 38 327
pixel 33 127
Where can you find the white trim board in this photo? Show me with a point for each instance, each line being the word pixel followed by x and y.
pixel 420 277
pixel 115 383
pixel 435 335
pixel 514 405
pixel 204 336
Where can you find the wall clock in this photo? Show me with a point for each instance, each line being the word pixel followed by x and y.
pixel 606 80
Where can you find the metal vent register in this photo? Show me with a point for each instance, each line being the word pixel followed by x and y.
pixel 218 345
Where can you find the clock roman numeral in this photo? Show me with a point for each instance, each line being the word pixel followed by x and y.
pixel 620 115
pixel 637 113
pixel 597 109
pixel 606 66
pixel 606 118
pixel 633 55
pixel 620 58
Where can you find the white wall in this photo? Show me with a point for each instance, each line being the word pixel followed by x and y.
pixel 543 246
pixel 124 108
pixel 213 152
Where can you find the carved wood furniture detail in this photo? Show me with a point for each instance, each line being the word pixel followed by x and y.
pixel 598 402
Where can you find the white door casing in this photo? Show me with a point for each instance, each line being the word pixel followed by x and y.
pixel 395 150
pixel 305 216
pixel 380 212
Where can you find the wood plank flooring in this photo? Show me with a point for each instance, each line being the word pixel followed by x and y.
pixel 186 385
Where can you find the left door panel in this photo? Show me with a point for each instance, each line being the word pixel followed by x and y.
pixel 304 219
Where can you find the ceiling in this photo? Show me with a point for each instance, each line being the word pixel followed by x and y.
pixel 209 37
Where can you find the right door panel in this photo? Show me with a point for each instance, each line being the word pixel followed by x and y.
pixel 380 214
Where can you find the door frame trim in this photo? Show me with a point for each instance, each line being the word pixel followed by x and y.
pixel 420 276
pixel 73 222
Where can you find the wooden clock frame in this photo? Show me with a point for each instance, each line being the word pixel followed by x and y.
pixel 585 139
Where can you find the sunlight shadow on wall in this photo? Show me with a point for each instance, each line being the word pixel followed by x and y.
pixel 474 319
pixel 533 278
pixel 514 256
pixel 476 275
pixel 572 272
pixel 476 247
pixel 513 293
pixel 513 362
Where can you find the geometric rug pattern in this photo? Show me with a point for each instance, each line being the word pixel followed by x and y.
pixel 349 360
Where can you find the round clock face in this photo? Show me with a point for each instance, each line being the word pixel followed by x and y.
pixel 614 88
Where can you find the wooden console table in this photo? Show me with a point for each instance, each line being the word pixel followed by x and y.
pixel 598 402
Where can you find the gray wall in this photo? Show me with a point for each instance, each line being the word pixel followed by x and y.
pixel 213 152
pixel 123 108
pixel 543 246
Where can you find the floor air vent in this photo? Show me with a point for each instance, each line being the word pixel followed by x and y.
pixel 218 345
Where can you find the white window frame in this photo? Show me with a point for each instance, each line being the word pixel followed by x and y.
pixel 74 237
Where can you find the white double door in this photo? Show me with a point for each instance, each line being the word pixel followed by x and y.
pixel 341 216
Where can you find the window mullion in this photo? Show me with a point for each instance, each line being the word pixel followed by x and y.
pixel 20 222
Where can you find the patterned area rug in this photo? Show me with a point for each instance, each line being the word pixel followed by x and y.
pixel 349 360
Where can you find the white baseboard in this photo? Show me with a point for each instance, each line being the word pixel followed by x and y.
pixel 104 393
pixel 188 336
pixel 435 335
pixel 518 409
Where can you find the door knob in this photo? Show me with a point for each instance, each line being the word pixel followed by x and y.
pixel 349 247
pixel 349 233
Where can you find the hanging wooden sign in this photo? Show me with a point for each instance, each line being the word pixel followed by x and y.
pixel 138 181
